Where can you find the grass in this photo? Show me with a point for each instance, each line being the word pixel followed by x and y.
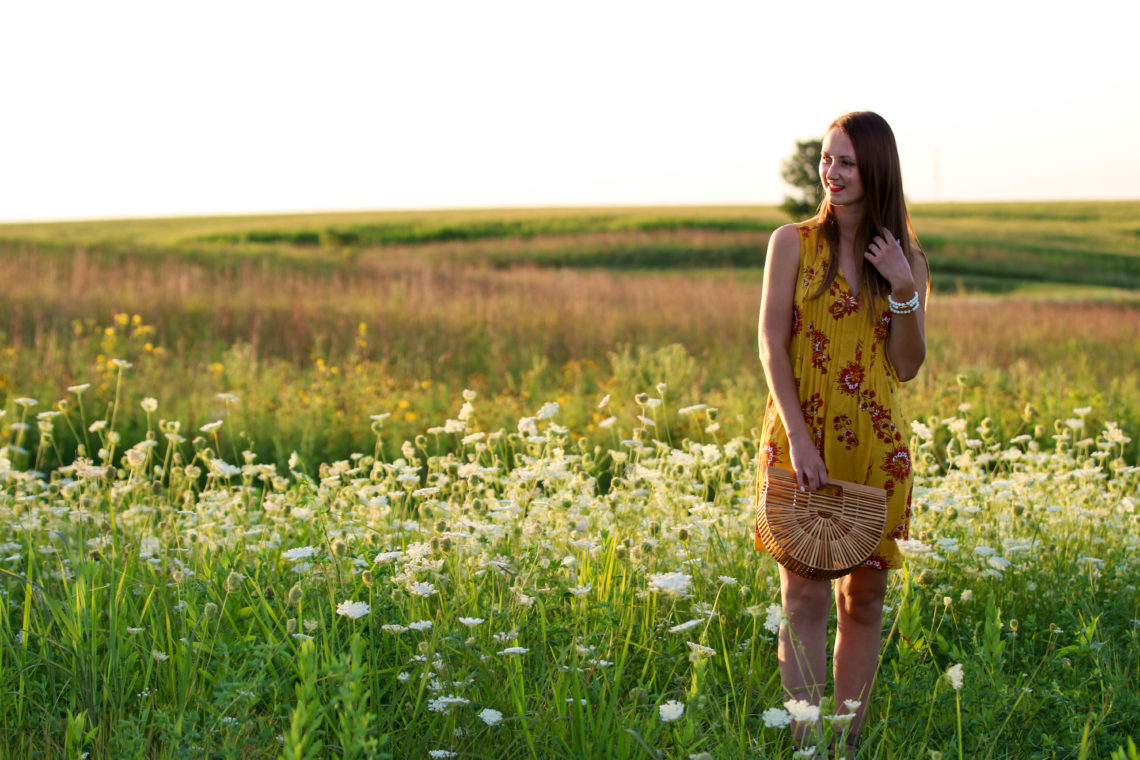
pixel 216 432
pixel 1086 243
pixel 177 605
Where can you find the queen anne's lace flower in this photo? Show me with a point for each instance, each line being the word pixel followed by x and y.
pixel 489 716
pixel 353 609
pixel 671 710
pixel 802 711
pixel 775 717
pixel 954 674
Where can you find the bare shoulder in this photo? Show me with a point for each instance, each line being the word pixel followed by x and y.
pixel 785 242
pixel 919 264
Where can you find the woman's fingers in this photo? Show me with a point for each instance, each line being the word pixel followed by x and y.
pixel 811 478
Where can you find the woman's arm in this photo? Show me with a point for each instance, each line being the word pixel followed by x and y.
pixel 775 334
pixel 906 342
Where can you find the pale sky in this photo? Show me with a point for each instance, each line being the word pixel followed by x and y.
pixel 118 108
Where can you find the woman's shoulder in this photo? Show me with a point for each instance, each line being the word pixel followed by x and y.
pixel 794 235
pixel 797 230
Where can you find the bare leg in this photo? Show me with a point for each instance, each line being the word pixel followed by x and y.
pixel 803 641
pixel 859 604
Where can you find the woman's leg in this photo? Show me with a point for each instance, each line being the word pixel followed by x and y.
pixel 803 641
pixel 859 605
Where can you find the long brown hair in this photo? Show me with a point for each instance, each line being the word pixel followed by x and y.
pixel 877 158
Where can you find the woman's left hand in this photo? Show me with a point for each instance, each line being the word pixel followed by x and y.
pixel 886 254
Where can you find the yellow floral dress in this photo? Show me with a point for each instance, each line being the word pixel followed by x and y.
pixel 848 391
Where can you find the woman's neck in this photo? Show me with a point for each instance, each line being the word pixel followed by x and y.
pixel 848 219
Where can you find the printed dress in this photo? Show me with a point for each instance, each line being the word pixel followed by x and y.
pixel 848 392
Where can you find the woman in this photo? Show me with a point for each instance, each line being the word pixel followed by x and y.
pixel 841 325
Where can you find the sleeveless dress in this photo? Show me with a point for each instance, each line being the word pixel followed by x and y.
pixel 848 391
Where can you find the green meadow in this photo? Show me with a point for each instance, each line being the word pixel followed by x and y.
pixel 478 484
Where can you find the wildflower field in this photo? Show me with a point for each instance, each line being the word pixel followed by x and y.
pixel 379 497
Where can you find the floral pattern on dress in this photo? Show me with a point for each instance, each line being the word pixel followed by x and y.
pixel 844 302
pixel 819 341
pixel 850 379
pixel 847 437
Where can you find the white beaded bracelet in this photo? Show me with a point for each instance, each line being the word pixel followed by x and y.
pixel 906 307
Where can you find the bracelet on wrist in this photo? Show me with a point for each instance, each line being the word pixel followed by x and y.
pixel 904 307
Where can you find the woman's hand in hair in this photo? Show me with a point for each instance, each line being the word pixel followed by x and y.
pixel 886 254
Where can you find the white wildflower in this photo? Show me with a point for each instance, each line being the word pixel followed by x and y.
pixel 671 710
pixel 701 650
pixel 775 619
pixel 353 609
pixel 775 717
pixel 441 704
pixel 802 711
pixel 999 563
pixel 489 716
pixel 686 625
pixel 673 584
pixel 300 552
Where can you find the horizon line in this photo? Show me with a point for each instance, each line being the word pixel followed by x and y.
pixel 510 207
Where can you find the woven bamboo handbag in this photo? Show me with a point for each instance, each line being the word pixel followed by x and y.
pixel 820 534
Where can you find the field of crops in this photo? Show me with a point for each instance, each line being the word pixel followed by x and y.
pixel 415 484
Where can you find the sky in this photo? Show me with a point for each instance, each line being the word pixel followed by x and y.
pixel 120 109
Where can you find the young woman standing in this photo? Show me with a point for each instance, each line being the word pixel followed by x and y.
pixel 841 326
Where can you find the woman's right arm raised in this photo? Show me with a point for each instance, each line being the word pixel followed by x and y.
pixel 775 334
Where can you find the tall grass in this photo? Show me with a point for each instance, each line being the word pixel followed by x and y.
pixel 276 499
pixel 313 354
pixel 530 594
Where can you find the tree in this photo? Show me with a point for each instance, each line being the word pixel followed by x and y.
pixel 801 171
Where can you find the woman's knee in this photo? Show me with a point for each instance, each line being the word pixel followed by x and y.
pixel 859 603
pixel 805 599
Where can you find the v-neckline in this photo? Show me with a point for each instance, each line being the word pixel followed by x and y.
pixel 846 282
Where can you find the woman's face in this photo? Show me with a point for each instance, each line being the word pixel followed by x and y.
pixel 838 169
